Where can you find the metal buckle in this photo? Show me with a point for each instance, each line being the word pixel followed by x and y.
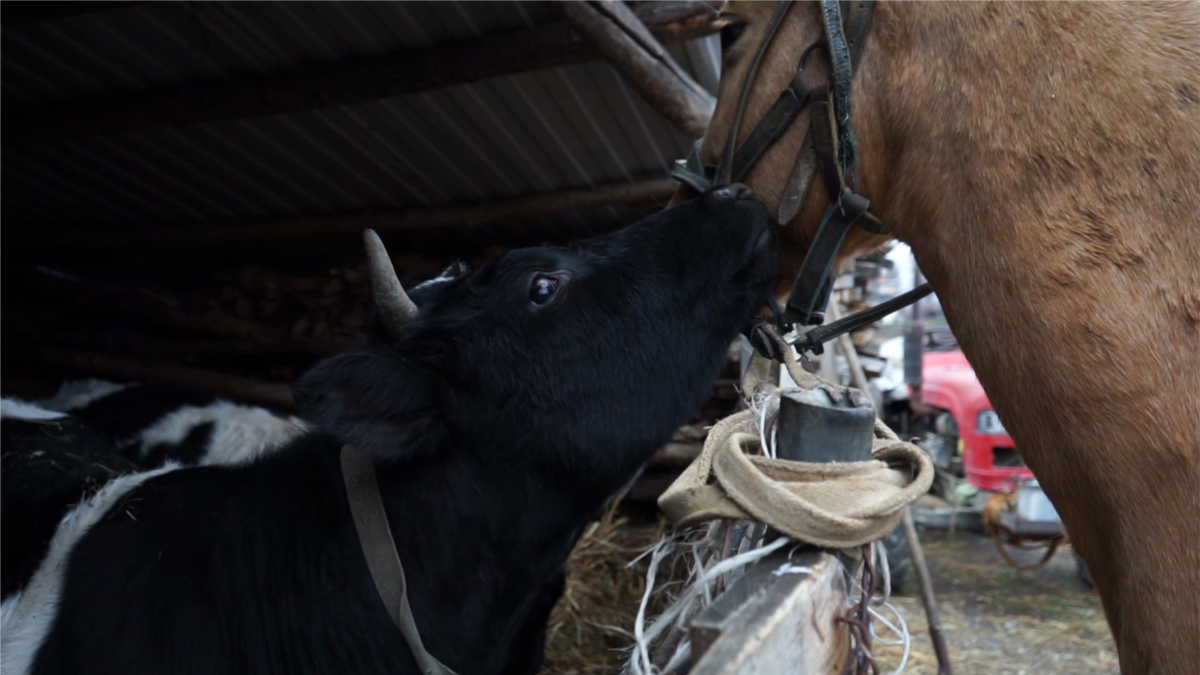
pixel 694 172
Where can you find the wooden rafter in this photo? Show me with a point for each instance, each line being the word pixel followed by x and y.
pixel 16 13
pixel 353 223
pixel 341 83
pixel 633 50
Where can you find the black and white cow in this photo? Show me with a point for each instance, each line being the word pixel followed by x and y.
pixel 500 415
pixel 152 423
pixel 49 461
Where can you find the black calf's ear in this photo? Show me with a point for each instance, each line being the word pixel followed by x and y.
pixel 372 401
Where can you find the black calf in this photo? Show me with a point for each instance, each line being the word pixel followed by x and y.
pixel 520 396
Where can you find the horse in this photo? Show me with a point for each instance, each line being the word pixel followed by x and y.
pixel 1042 160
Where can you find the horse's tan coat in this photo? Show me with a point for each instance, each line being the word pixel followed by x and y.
pixel 1043 162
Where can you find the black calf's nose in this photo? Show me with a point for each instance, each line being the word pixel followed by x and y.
pixel 735 191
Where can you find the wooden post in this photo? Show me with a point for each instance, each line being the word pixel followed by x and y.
pixel 780 617
pixel 917 554
pixel 620 35
pixel 857 376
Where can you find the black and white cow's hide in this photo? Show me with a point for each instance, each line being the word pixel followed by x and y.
pixel 48 462
pixel 518 399
pixel 156 422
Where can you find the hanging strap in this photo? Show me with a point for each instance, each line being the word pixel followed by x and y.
pixel 378 547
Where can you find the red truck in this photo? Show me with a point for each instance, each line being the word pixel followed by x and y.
pixel 977 464
pixel 969 440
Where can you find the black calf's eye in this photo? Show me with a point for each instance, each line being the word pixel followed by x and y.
pixel 730 33
pixel 543 290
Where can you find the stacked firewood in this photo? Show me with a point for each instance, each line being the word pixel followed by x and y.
pixel 329 307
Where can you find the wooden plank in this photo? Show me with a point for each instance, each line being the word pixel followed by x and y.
pixel 925 583
pixel 771 622
pixel 627 44
pixel 383 221
pixel 676 455
pixel 341 83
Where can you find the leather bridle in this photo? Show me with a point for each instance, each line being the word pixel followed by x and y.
pixel 828 149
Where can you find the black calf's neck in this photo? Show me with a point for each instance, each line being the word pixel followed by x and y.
pixel 484 542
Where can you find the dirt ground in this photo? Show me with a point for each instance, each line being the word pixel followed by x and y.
pixel 1001 621
pixel 998 621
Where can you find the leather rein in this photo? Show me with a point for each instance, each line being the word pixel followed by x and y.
pixel 828 149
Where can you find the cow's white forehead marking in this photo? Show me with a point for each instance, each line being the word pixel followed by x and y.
pixel 450 273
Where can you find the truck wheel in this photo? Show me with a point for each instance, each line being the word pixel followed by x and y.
pixel 895 545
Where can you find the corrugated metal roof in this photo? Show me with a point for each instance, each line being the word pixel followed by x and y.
pixel 534 132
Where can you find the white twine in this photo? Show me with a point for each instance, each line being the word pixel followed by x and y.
pixel 765 404
pixel 641 665
pixel 885 572
pixel 903 637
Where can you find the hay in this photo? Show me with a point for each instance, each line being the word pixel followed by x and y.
pixel 590 630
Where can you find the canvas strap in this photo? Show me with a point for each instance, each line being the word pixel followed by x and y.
pixel 838 505
pixel 379 549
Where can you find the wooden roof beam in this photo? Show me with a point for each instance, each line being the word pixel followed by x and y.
pixel 17 13
pixel 340 83
pixel 633 50
pixel 391 220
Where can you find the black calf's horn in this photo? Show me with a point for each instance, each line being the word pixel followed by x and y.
pixel 395 307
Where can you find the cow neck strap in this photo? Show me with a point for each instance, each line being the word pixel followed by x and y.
pixel 378 547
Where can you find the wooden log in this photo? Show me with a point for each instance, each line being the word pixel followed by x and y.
pixel 242 388
pixel 672 22
pixel 341 224
pixel 776 621
pixel 156 307
pixel 16 13
pixel 627 44
pixel 675 455
pixel 174 349
pixel 650 485
pixel 857 376
pixel 346 82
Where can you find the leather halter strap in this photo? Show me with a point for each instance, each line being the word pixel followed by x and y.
pixel 828 147
pixel 737 159
pixel 378 547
